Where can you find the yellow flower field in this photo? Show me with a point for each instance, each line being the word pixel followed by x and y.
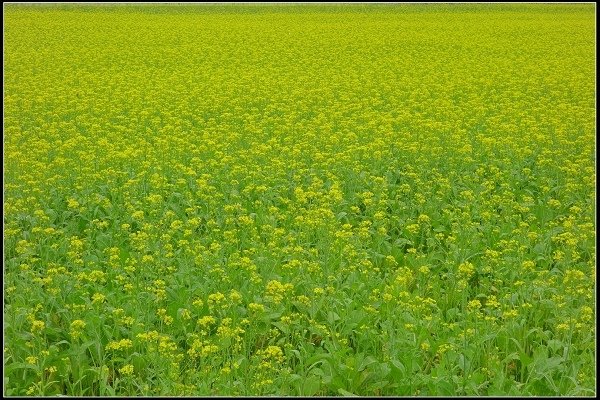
pixel 379 200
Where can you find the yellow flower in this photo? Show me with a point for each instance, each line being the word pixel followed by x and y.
pixel 276 290
pixel 234 296
pixel 185 314
pixel 474 305
pixel 562 327
pixel 198 303
pixel 118 345
pixel 225 370
pixel 73 204
pixel 272 353
pixel 215 299
pixel 467 269
pixel 98 298
pixel 255 307
pixel 423 219
pixel 126 370
pixel 37 326
pixel 77 325
pixel 206 321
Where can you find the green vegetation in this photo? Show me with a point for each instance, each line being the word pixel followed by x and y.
pixel 299 200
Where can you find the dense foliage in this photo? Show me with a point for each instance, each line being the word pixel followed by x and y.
pixel 299 200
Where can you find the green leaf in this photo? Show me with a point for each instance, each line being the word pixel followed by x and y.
pixel 312 384
pixel 282 327
pixel 442 387
pixel 332 317
pixel 378 386
pixel 555 345
pixel 346 393
pixel 525 359
pixel 318 358
pixel 402 242
pixel 463 362
pixel 17 366
pixel 364 363
pixel 398 370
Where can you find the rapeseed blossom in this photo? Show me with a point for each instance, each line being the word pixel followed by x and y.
pixel 299 200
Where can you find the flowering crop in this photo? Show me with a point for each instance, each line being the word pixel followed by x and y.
pixel 299 200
